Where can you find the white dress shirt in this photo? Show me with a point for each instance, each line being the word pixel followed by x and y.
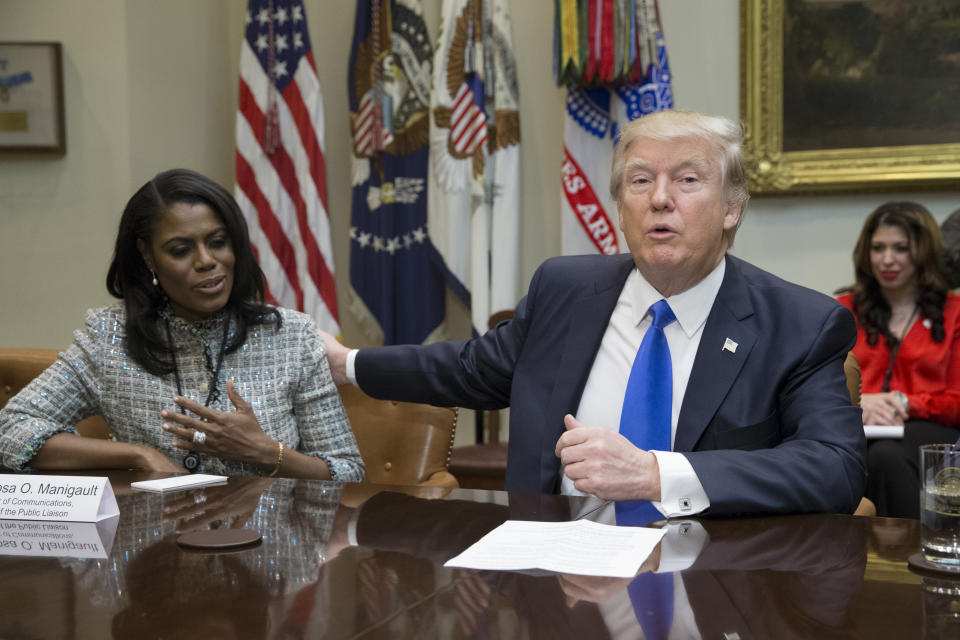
pixel 601 404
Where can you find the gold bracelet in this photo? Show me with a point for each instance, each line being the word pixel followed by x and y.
pixel 276 469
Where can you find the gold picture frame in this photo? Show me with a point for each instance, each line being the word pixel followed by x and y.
pixel 774 168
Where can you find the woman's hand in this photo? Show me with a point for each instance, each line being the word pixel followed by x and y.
pixel 230 435
pixel 203 508
pixel 149 459
pixel 883 408
pixel 64 451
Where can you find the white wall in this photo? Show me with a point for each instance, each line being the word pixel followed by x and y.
pixel 151 85
pixel 182 86
pixel 54 211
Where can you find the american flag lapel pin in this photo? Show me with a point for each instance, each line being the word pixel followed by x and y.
pixel 729 345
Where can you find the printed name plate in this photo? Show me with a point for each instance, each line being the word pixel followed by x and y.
pixel 58 539
pixel 62 498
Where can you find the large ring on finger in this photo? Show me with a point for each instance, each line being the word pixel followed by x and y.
pixel 199 437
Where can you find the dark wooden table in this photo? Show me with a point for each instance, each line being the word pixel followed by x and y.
pixel 795 576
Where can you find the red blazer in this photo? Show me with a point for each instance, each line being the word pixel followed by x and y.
pixel 927 371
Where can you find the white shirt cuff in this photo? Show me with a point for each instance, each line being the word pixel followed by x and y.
pixel 681 545
pixel 352 527
pixel 351 367
pixel 681 493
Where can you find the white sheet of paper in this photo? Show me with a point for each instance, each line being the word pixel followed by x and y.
pixel 178 483
pixel 580 547
pixel 874 431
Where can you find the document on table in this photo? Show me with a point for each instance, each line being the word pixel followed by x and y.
pixel 874 431
pixel 578 547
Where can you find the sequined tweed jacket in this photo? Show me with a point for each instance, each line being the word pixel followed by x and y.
pixel 281 372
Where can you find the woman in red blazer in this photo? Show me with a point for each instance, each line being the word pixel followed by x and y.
pixel 908 347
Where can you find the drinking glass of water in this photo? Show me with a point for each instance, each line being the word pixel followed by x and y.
pixel 940 504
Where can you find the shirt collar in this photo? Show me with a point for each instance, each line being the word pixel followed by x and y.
pixel 691 307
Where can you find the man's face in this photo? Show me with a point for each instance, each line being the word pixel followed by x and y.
pixel 673 211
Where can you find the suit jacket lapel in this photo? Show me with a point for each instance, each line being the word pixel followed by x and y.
pixel 716 366
pixel 588 321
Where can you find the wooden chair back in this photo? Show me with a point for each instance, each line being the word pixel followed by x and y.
pixel 402 443
pixel 19 366
pixel 484 465
pixel 851 368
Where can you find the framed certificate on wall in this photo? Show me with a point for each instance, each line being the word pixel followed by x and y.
pixel 31 97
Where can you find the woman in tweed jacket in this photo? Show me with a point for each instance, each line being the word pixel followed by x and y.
pixel 191 370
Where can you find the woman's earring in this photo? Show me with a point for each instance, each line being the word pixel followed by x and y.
pixel 155 283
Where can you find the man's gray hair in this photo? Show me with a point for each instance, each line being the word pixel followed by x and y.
pixel 724 135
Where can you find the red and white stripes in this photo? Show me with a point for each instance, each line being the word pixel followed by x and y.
pixel 283 194
pixel 364 128
pixel 468 123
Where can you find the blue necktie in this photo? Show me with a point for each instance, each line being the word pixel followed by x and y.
pixel 645 421
pixel 651 594
pixel 647 404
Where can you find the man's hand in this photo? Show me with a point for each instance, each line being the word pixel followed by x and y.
pixel 577 588
pixel 336 357
pixel 607 465
pixel 596 589
pixel 882 408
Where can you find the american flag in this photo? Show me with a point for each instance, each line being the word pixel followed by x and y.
pixel 468 126
pixel 365 127
pixel 281 183
pixel 474 206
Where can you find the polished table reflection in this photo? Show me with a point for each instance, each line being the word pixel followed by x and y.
pixel 349 561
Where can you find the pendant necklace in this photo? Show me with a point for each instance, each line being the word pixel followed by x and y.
pixel 888 375
pixel 192 459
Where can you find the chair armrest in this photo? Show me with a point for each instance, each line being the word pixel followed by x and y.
pixel 866 508
pixel 441 479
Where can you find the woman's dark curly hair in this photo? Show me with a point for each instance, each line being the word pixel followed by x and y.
pixel 923 234
pixel 130 280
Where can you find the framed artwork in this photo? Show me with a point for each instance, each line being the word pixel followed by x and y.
pixel 844 95
pixel 31 97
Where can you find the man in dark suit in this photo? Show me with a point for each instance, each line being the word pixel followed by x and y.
pixel 760 419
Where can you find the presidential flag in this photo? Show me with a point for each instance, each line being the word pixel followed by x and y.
pixel 281 184
pixel 397 288
pixel 615 46
pixel 474 156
